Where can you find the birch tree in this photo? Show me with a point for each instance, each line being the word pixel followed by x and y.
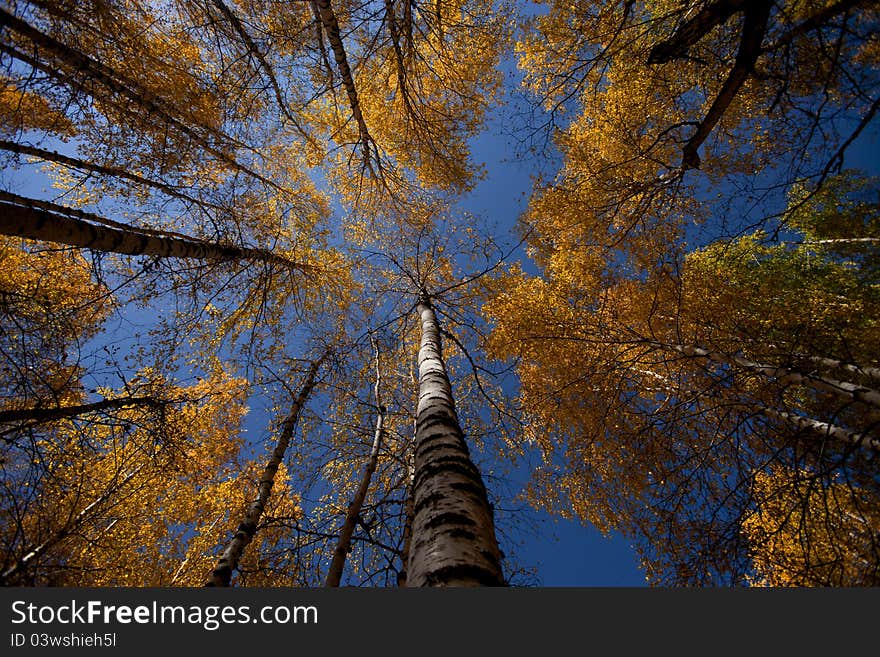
pixel 244 534
pixel 453 534
pixel 334 574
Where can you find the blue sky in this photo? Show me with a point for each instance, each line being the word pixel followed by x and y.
pixel 563 552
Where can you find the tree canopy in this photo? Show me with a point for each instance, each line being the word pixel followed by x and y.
pixel 252 336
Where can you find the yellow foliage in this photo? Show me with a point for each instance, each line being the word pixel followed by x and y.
pixel 806 532
pixel 151 499
pixel 22 110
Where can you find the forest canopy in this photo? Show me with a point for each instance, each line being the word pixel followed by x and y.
pixel 252 335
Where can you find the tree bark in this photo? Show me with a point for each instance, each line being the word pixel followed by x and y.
pixel 834 364
pixel 41 220
pixel 244 534
pixel 693 30
pixel 47 414
pixel 453 540
pixel 786 375
pixel 757 15
pixel 337 565
pixel 114 172
pixel 112 80
pixel 319 37
pixel 409 512
pixel 855 438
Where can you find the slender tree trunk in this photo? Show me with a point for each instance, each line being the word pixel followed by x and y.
pixel 785 375
pixel 816 21
pixel 400 59
pixel 47 414
pixel 407 30
pixel 255 51
pixel 409 511
pixel 319 37
pixel 337 565
pixel 244 534
pixel 114 81
pixel 790 376
pixel 453 541
pixel 331 29
pixel 694 29
pixel 857 439
pixel 843 241
pixel 41 220
pixel 185 562
pixel 757 16
pixel 114 172
pixel 834 364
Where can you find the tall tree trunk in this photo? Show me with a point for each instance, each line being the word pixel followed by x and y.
pixel 331 29
pixel 453 540
pixel 834 364
pixel 337 565
pixel 255 51
pixel 785 375
pixel 757 16
pixel 409 512
pixel 244 534
pixel 400 60
pixel 694 29
pixel 41 220
pixel 115 172
pixel 855 438
pixel 47 414
pixel 319 37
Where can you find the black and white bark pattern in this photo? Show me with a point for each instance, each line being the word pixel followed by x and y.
pixel 787 375
pixel 50 413
pixel 41 220
pixel 408 510
pixel 858 439
pixel 453 537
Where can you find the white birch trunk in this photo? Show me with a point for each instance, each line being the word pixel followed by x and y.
pixel 41 220
pixel 841 434
pixel 785 375
pixel 453 538
pixel 834 364
pixel 408 510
